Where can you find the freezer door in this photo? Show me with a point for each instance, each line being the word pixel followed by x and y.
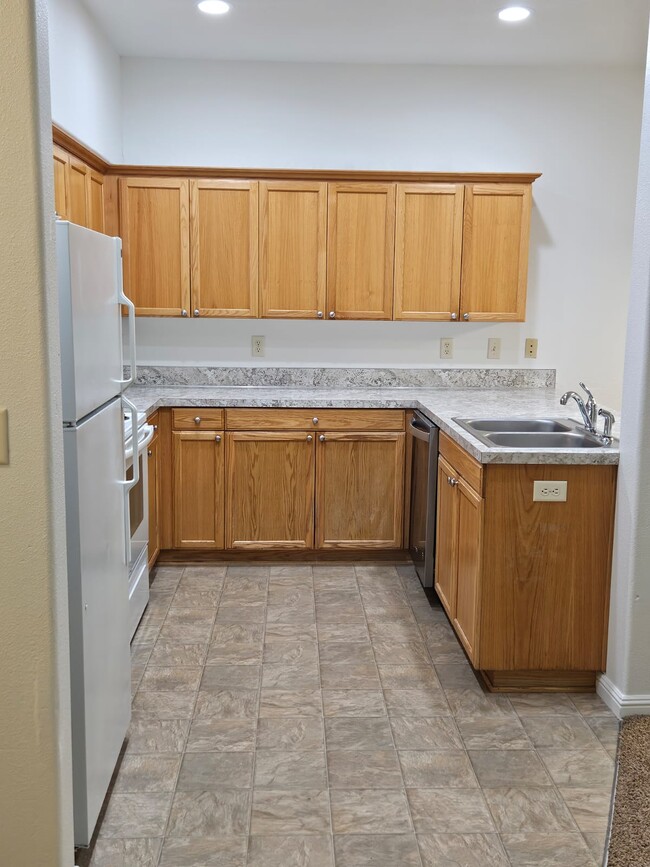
pixel 89 268
pixel 98 601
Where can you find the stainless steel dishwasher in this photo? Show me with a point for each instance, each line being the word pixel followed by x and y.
pixel 424 484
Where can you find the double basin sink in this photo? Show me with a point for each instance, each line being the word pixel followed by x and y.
pixel 531 433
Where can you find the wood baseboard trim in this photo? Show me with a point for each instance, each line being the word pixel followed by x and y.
pixel 540 681
pixel 391 555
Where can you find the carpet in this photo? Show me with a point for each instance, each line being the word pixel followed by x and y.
pixel 629 844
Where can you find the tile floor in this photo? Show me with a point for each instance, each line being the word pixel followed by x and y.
pixel 298 716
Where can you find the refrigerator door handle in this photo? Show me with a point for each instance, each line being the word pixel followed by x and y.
pixel 131 483
pixel 131 309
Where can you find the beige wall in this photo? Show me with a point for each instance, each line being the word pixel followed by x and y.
pixel 35 803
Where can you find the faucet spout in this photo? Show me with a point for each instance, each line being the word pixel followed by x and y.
pixel 584 412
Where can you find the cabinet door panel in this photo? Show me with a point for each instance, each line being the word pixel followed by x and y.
pixel 154 498
pixel 470 524
pixel 446 538
pixel 77 190
pixel 270 490
pixel 154 223
pixel 61 173
pixel 428 247
pixel 361 250
pixel 224 248
pixel 199 470
pixel 293 249
pixel 95 201
pixel 360 490
pixel 495 251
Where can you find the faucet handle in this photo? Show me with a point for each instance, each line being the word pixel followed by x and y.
pixel 586 391
pixel 609 422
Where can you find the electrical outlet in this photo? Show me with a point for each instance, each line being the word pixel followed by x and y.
pixel 257 346
pixel 446 347
pixel 494 347
pixel 530 348
pixel 549 492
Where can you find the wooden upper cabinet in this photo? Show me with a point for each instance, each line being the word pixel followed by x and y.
pixel 224 221
pixel 199 477
pixel 495 252
pixel 95 201
pixel 428 248
pixel 359 490
pixel 361 248
pixel 61 193
pixel 154 223
pixel 77 182
pixel 270 484
pixel 293 249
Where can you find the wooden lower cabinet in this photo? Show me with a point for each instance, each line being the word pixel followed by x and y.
pixel 199 475
pixel 154 457
pixel 447 539
pixel 270 486
pixel 359 490
pixel 470 523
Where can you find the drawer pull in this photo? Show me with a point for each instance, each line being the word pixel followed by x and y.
pixel 197 420
pixel 315 420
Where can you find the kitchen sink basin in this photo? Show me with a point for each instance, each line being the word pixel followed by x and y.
pixel 536 440
pixel 515 425
pixel 531 433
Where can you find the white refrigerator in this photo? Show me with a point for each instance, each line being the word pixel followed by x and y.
pixel 90 298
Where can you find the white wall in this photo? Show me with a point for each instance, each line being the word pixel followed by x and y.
pixel 579 126
pixel 85 79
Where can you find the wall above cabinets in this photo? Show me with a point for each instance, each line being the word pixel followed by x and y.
pixel 307 244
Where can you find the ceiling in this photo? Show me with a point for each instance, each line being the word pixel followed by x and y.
pixel 380 31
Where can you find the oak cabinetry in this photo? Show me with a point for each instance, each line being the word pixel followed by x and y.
pixel 359 490
pixel 154 458
pixel 315 419
pixel 95 217
pixel 61 172
pixel 199 474
pixel 293 249
pixel 224 242
pixel 198 418
pixel 154 223
pixel 447 539
pixel 78 191
pixel 495 252
pixel 270 484
pixel 428 247
pixel 361 247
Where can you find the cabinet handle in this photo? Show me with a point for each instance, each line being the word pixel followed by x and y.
pixel 315 420
pixel 183 312
pixel 332 314
pixel 217 439
pixel 155 427
pixel 149 452
pixel 321 438
pixel 197 312
pixel 197 420
pixel 310 438
pixel 453 482
pixel 454 316
pixel 319 314
pixel 466 317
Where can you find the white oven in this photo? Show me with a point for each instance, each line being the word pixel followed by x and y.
pixel 137 513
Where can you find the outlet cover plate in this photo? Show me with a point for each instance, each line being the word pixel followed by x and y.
pixel 446 348
pixel 257 346
pixel 530 348
pixel 549 492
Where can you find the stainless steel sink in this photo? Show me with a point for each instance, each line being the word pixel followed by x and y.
pixel 531 433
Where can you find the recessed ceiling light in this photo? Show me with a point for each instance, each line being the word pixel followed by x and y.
pixel 514 13
pixel 214 7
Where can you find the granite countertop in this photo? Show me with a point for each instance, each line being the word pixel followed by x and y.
pixel 441 405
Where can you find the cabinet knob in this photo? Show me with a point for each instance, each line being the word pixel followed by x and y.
pixel 321 438
pixel 453 482
pixel 217 439
pixel 320 314
pixel 310 438
pixel 315 420
pixel 454 316
pixel 155 427
pixel 183 312
pixel 197 420
pixel 466 317
pixel 197 312
pixel 332 314
pixel 149 452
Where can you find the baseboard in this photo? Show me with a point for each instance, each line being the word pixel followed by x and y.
pixel 618 702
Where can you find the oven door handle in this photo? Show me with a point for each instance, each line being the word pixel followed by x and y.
pixel 419 432
pixel 129 484
pixel 143 442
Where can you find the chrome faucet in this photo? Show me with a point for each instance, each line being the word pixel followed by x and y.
pixel 585 409
pixel 590 413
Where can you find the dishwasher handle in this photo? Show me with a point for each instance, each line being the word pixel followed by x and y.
pixel 420 430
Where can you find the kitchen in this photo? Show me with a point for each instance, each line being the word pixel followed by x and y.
pixel 574 263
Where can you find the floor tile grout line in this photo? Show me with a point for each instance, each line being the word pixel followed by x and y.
pixel 390 728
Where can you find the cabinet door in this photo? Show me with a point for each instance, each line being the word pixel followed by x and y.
pixel 154 498
pixel 77 179
pixel 428 247
pixel 293 249
pixel 361 250
pixel 359 490
pixel 61 171
pixel 95 200
pixel 495 252
pixel 224 248
pixel 446 538
pixel 199 471
pixel 470 524
pixel 270 490
pixel 154 223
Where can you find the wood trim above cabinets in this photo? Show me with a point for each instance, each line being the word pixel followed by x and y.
pixel 73 146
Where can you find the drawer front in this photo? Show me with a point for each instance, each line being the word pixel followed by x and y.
pixel 464 464
pixel 197 418
pixel 315 419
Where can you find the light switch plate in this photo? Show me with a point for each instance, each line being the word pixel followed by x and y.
pixel 4 436
pixel 549 492
pixel 494 347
